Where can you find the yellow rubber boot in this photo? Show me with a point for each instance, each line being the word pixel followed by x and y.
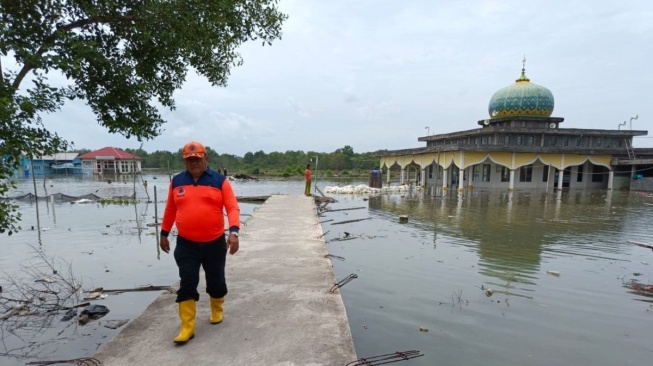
pixel 216 310
pixel 187 316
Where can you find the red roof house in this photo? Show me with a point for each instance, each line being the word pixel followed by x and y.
pixel 110 160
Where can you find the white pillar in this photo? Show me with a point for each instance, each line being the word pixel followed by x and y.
pixel 401 176
pixel 561 174
pixel 461 180
pixel 388 174
pixel 423 178
pixel 470 172
pixel 445 179
pixel 511 183
pixel 610 178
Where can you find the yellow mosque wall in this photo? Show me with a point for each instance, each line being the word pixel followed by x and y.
pixel 511 160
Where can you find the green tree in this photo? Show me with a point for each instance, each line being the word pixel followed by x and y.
pixel 123 57
pixel 249 158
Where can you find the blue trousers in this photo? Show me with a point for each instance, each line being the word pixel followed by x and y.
pixel 189 256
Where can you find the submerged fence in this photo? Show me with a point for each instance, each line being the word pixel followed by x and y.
pixel 63 198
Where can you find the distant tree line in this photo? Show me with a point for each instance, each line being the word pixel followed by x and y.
pixel 342 161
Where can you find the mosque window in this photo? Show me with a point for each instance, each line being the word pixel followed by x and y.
pixel 431 171
pixel 505 174
pixel 520 140
pixel 526 173
pixel 565 141
pixel 486 172
pixel 475 173
pixel 530 140
pixel 484 140
pixel 545 173
pixel 579 176
pixel 599 141
pixel 598 172
pixel 506 140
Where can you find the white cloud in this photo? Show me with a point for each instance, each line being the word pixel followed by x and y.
pixel 372 74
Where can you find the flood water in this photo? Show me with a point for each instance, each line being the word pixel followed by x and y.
pixel 484 278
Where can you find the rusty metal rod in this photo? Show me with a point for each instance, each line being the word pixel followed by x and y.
pixel 385 359
pixel 343 282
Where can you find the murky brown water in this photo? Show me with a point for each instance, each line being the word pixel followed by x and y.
pixel 555 266
pixel 433 273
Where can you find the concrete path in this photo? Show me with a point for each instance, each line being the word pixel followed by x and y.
pixel 278 310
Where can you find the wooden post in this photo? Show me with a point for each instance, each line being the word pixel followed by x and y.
pixel 156 210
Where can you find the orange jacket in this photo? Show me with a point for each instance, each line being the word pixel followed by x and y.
pixel 196 208
pixel 307 174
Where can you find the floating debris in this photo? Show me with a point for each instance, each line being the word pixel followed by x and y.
pixel 422 329
pixel 345 209
pixel 46 280
pixel 553 273
pixel 69 315
pixel 92 295
pixel 642 289
pixel 384 359
pixel 489 292
pixel 345 281
pixel 403 219
pixel 350 221
pixel 92 312
pixel 84 361
pixel 115 324
pixel 334 257
pixel 643 245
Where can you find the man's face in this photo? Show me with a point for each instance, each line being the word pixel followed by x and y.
pixel 196 166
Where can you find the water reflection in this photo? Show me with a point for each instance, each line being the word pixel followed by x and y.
pixel 512 231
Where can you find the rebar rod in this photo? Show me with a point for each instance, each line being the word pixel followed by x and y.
pixel 335 257
pixel 83 361
pixel 385 359
pixel 343 282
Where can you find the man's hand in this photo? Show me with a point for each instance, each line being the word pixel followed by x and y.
pixel 165 244
pixel 232 244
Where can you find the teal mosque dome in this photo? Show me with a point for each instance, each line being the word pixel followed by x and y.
pixel 521 99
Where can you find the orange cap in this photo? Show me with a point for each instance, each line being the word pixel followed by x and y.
pixel 193 149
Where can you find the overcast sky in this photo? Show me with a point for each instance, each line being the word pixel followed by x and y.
pixel 374 74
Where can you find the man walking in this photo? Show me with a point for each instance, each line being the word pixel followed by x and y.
pixel 197 198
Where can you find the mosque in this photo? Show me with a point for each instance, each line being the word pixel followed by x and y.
pixel 522 147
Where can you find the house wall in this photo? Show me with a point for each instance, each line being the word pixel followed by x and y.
pixel 107 166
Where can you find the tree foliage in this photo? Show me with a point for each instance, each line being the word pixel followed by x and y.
pixel 123 57
pixel 289 163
